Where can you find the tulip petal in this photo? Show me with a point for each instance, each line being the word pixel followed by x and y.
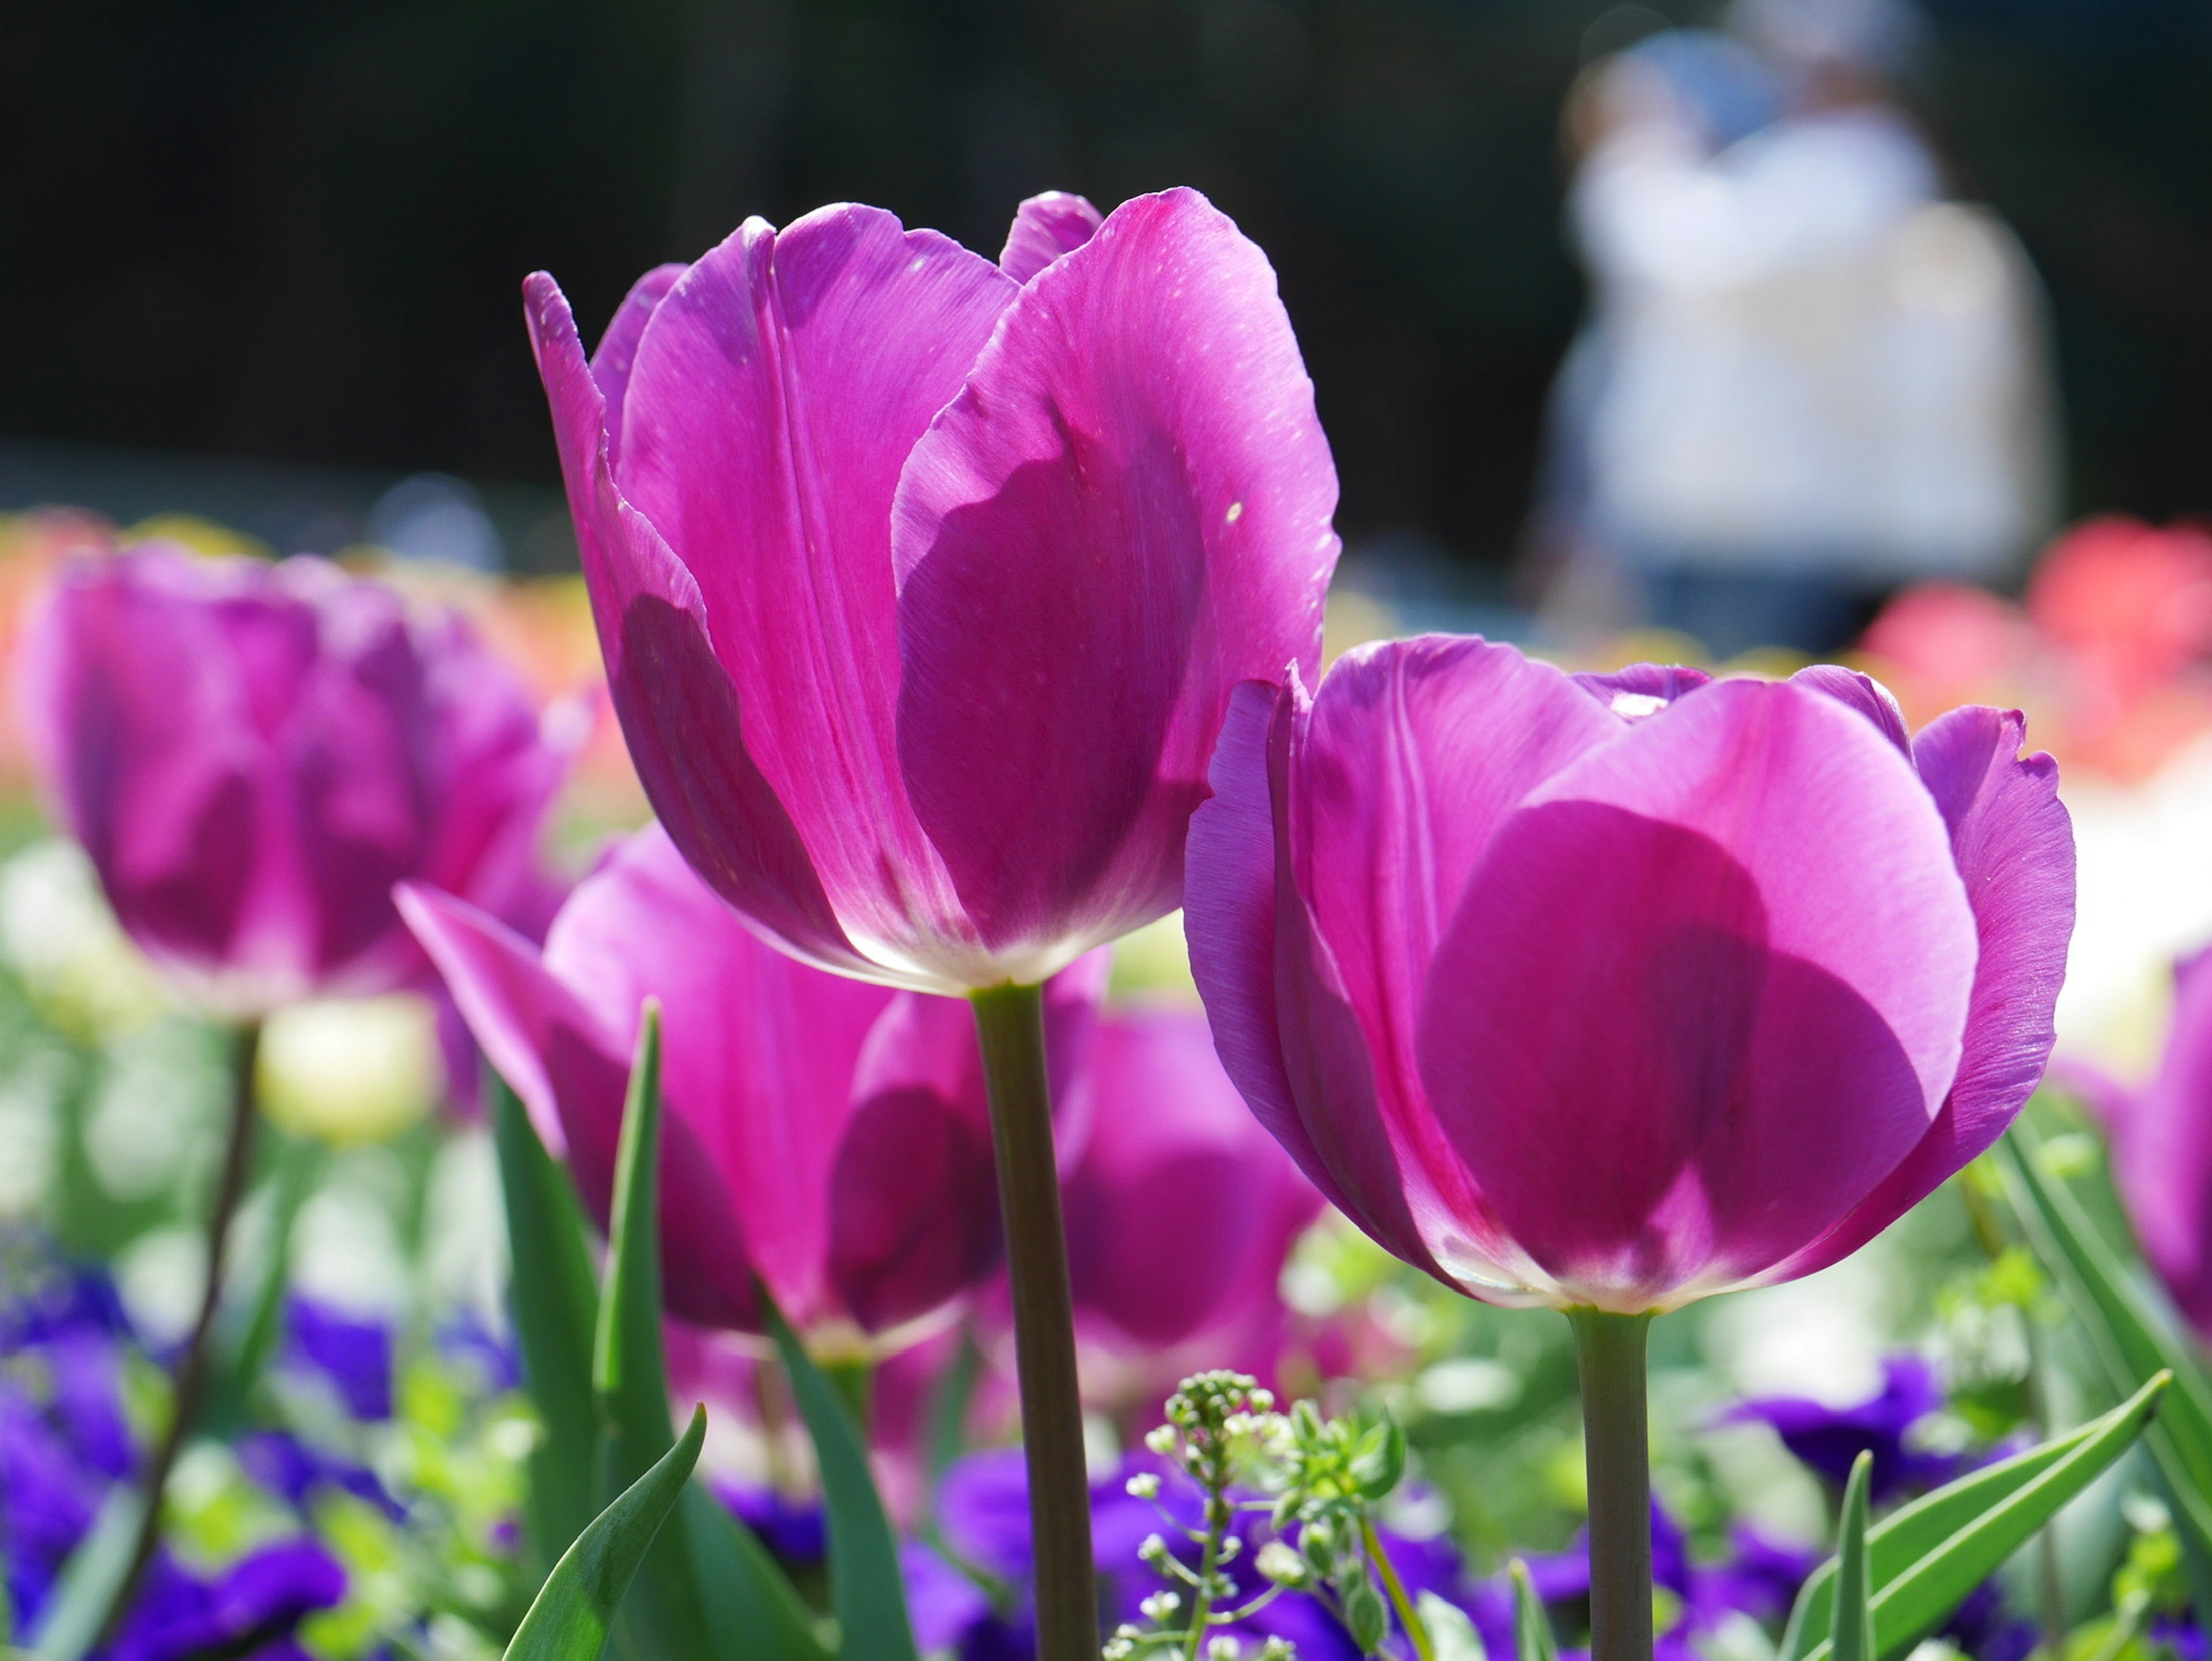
pixel 1181 1207
pixel 1641 688
pixel 2162 1149
pixel 1703 992
pixel 678 711
pixel 618 352
pixel 775 392
pixel 1046 227
pixel 759 1063
pixel 1863 693
pixel 913 1205
pixel 1284 1036
pixel 2014 842
pixel 570 1069
pixel 1124 513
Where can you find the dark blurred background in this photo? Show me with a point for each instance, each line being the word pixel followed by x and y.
pixel 296 234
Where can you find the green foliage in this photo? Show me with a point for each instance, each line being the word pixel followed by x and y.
pixel 1924 1558
pixel 1851 1633
pixel 595 1366
pixel 2132 1336
pixel 866 1588
pixel 1533 1637
pixel 568 1620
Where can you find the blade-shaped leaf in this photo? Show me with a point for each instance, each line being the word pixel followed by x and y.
pixel 709 1590
pixel 90 1578
pixel 1924 1558
pixel 1533 1637
pixel 2131 1337
pixel 865 1586
pixel 556 1307
pixel 1851 1634
pixel 569 1617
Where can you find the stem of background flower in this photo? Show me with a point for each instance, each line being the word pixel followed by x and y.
pixel 1010 1021
pixel 1617 1453
pixel 192 1375
pixel 1409 1617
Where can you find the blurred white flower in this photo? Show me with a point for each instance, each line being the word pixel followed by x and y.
pixel 351 1070
pixel 80 970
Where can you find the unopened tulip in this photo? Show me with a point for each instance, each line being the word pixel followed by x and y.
pixel 923 581
pixel 1181 1208
pixel 1619 991
pixel 252 754
pixel 826 1134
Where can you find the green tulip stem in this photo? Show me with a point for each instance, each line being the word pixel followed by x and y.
pixel 192 1375
pixel 1409 1617
pixel 853 1376
pixel 1609 1352
pixel 1010 1022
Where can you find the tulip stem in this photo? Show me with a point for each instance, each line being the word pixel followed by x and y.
pixel 192 1375
pixel 1609 1352
pixel 1010 1022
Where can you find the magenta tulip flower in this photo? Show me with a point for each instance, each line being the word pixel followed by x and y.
pixel 1612 992
pixel 1615 992
pixel 1181 1208
pixel 923 581
pixel 252 754
pixel 2162 1147
pixel 827 1136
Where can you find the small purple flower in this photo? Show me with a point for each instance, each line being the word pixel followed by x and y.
pixel 796 1530
pixel 285 1465
pixel 1985 1628
pixel 1828 1438
pixel 255 1604
pixel 353 1353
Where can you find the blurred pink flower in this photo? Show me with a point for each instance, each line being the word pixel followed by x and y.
pixel 922 581
pixel 827 1136
pixel 1623 990
pixel 1181 1210
pixel 253 754
pixel 2161 1138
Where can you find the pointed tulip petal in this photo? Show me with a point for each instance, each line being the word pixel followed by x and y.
pixel 2014 842
pixel 1863 693
pixel 1124 513
pixel 758 1066
pixel 612 363
pixel 678 711
pixel 1285 1037
pixel 775 392
pixel 1046 227
pixel 571 1072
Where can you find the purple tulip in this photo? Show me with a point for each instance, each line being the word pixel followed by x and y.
pixel 1615 992
pixel 2162 1147
pixel 923 581
pixel 830 1135
pixel 253 754
pixel 1181 1209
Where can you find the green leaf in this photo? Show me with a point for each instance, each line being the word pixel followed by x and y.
pixel 555 1306
pixel 865 1587
pixel 2130 1335
pixel 90 1578
pixel 569 1617
pixel 709 1590
pixel 1924 1558
pixel 1379 1461
pixel 1851 1634
pixel 1533 1637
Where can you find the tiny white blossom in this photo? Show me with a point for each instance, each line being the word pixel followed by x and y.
pixel 1161 1440
pixel 1144 1485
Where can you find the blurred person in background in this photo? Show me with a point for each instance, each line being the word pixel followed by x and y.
pixel 1808 379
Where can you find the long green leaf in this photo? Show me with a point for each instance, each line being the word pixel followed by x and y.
pixel 1533 1637
pixel 2130 1335
pixel 1924 1558
pixel 569 1618
pixel 556 1306
pixel 90 1578
pixel 709 1590
pixel 1851 1633
pixel 865 1587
